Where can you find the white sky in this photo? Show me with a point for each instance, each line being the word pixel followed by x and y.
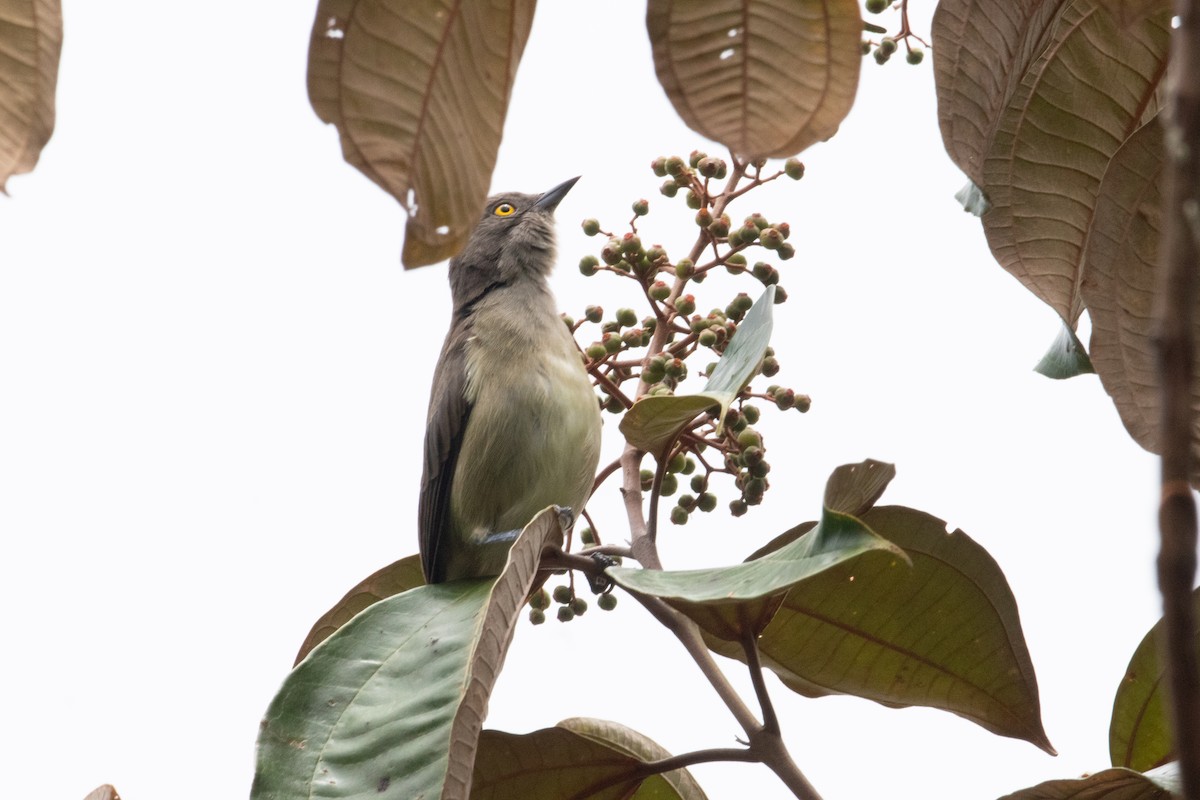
pixel 213 378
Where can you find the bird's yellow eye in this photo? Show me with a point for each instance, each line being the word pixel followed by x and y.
pixel 504 210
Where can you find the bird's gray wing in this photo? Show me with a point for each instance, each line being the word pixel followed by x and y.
pixel 447 420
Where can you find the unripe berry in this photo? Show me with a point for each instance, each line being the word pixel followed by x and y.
pixel 693 199
pixel 656 253
pixel 887 45
pixel 754 491
pixel 659 291
pixel 770 238
pixel 647 479
pixel 632 337
pixel 596 351
pixel 696 157
pixel 760 469
pixel 568 320
pixel 709 167
pixel 593 313
pixel 669 188
pixel 743 300
pixel 704 218
pixel 785 229
pixel 588 265
pixel 591 226
pixel 881 57
pixel 751 413
pixel 706 502
pixel 915 56
pixel 803 403
pixel 537 616
pixel 770 367
pixel 562 594
pixel 785 399
pixel 579 606
pixel 685 269
pixel 794 167
pixel 720 227
pixel 736 260
pixel 630 243
pixel 699 483
pixel 626 317
pixel 781 295
pixel 749 438
pixel 785 251
pixel 878 6
pixel 540 599
pixel 676 463
pixel 611 342
pixel 587 536
pixel 679 516
pixel 607 602
pixel 659 165
pixel 641 207
pixel 737 507
pixel 687 502
pixel 669 485
pixel 565 614
pixel 685 305
pixel 689 466
pixel 613 405
pixel 674 166
pixel 611 252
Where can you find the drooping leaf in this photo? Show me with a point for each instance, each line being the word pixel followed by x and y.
pixel 395 699
pixel 1091 87
pixel 981 48
pixel 762 77
pixel 652 423
pixel 854 488
pixel 1110 784
pixel 1139 736
pixel 944 634
pixel 733 602
pixel 1122 258
pixel 584 759
pixel 418 90
pixel 397 577
pixel 30 43
pixel 1066 357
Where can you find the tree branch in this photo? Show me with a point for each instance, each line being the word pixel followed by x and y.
pixel 750 647
pixel 1175 345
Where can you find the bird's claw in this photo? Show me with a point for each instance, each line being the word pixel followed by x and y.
pixel 599 582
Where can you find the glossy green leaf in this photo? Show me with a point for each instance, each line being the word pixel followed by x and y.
pixel 1110 784
pixel 584 759
pixel 1066 357
pixel 653 423
pixel 944 633
pixel 1092 85
pixel 397 577
pixel 30 43
pixel 732 602
pixel 762 77
pixel 419 90
pixel 395 699
pixel 1139 736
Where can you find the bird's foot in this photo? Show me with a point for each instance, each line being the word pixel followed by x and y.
pixel 598 582
pixel 566 517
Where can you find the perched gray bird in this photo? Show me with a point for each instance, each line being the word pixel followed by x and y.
pixel 513 424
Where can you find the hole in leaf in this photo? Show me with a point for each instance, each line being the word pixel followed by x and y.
pixel 726 54
pixel 333 29
pixel 442 230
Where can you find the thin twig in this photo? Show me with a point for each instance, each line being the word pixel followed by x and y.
pixel 750 647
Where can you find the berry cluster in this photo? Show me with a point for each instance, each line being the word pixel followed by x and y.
pixel 651 353
pixel 570 605
pixel 889 44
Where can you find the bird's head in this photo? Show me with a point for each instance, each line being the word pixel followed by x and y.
pixel 512 241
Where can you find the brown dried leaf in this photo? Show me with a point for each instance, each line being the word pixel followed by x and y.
pixel 762 77
pixel 1122 258
pixel 1081 98
pixel 418 90
pixel 30 42
pixel 105 792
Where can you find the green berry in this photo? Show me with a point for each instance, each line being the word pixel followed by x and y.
pixel 881 57
pixel 786 251
pixel 593 313
pixel 737 507
pixel 719 227
pixel 659 291
pixel 709 167
pixel 878 6
pixel 537 616
pixel 669 485
pixel 677 463
pixel 699 483
pixel 579 606
pixel 588 265
pixel 794 167
pixel 679 516
pixel 749 438
pixel 770 238
pixel 707 338
pixel 685 305
pixel 781 295
pixel 693 199
pixel 631 244
pixel 696 157
pixel 674 166
pixel 565 614
pixel 596 351
pixel 770 367
pixel 669 188
pixel 704 218
pixel 803 403
pixel 562 594
pixel 540 599
pixel 887 45
pixel 607 602
pixel 647 479
pixel 689 466
pixel 706 502
pixel 626 317
pixel 915 56
pixel 659 165
pixel 587 536
pixel 641 207
pixel 611 342
pixel 591 226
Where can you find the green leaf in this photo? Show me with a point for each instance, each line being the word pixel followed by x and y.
pixel 1110 784
pixel 762 77
pixel 1094 83
pixel 944 634
pixel 732 602
pixel 1066 357
pixel 653 423
pixel 397 577
pixel 1139 736
pixel 30 42
pixel 973 200
pixel 584 759
pixel 419 103
pixel 854 488
pixel 395 699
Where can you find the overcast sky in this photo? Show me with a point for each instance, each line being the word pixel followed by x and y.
pixel 214 372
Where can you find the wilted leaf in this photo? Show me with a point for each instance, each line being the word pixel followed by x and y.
pixel 584 759
pixel 418 90
pixel 981 48
pixel 1091 87
pixel 397 577
pixel 652 423
pixel 30 42
pixel 396 698
pixel 1111 784
pixel 944 634
pixel 732 602
pixel 1066 357
pixel 1122 258
pixel 1140 734
pixel 762 77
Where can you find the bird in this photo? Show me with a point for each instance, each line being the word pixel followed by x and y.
pixel 513 424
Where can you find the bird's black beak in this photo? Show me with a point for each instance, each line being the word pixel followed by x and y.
pixel 550 200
